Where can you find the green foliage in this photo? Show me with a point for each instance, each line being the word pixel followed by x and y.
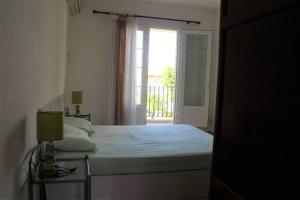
pixel 157 105
pixel 154 103
pixel 169 77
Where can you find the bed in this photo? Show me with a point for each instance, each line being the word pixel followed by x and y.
pixel 148 162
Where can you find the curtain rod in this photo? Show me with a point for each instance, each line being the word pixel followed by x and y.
pixel 142 16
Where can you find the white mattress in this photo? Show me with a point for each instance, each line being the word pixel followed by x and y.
pixel 147 149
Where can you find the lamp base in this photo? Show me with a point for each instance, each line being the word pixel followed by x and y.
pixel 77 110
pixel 47 164
pixel 46 172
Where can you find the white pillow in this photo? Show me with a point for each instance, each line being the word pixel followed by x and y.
pixel 75 140
pixel 80 123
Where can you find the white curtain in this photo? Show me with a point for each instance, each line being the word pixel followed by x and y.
pixel 130 77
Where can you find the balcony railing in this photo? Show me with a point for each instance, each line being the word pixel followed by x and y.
pixel 160 102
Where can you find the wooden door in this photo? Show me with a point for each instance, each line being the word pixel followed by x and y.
pixel 255 150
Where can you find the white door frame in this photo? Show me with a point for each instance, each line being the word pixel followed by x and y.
pixel 146 28
pixel 181 81
pixel 141 109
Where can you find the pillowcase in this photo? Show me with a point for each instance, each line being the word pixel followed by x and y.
pixel 75 140
pixel 80 123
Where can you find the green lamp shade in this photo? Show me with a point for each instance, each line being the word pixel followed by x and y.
pixel 77 97
pixel 50 126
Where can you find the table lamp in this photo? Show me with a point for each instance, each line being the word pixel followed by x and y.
pixel 49 129
pixel 77 97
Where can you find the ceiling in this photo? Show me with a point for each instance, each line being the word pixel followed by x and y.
pixel 198 3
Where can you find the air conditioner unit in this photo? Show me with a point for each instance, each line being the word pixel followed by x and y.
pixel 74 6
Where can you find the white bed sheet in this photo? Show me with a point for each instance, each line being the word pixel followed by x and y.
pixel 147 149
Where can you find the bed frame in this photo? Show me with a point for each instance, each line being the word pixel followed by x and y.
pixel 189 185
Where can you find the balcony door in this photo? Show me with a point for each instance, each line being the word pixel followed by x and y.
pixel 187 100
pixel 193 98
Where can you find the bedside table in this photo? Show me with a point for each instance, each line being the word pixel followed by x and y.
pixel 80 175
pixel 84 116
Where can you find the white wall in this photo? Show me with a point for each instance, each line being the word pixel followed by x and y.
pixel 33 42
pixel 89 49
pixel 88 53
